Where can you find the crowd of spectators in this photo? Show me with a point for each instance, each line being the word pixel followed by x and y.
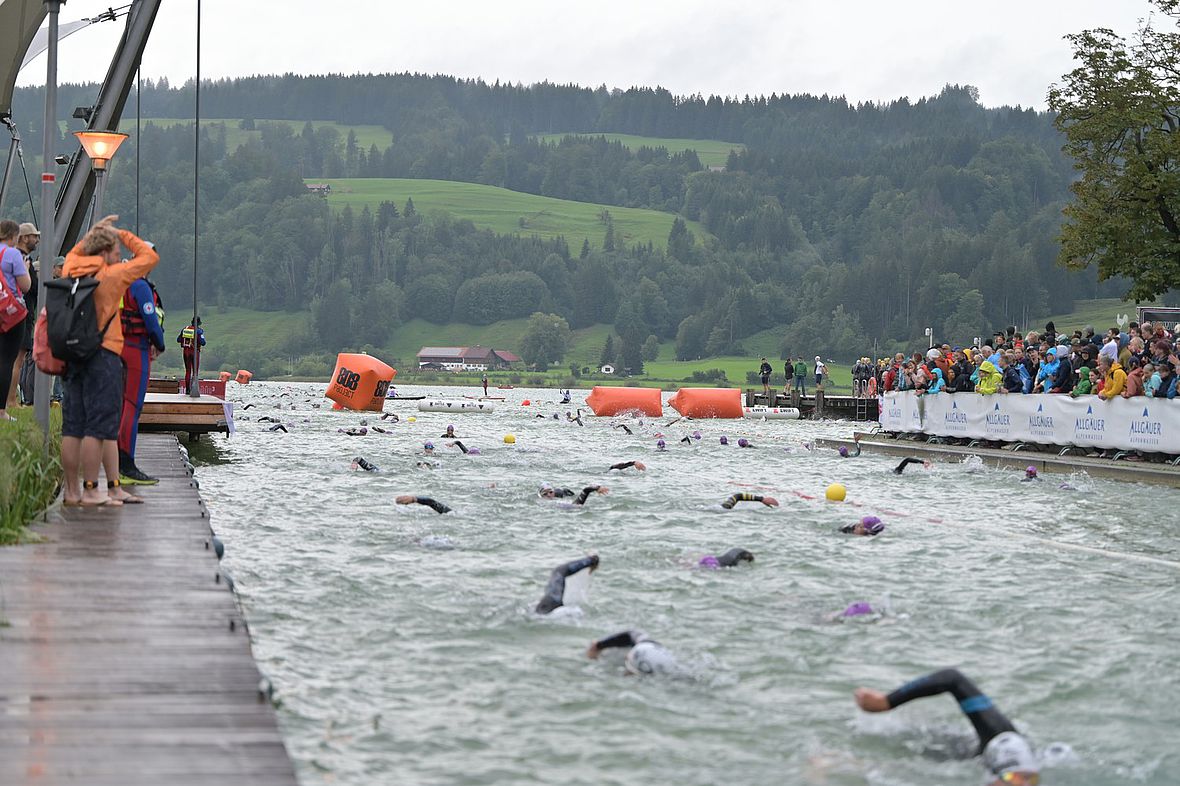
pixel 1142 360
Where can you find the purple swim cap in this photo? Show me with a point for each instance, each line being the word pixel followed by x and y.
pixel 709 562
pixel 743 442
pixel 473 451
pixel 696 435
pixel 660 444
pixel 872 525
pixel 1030 471
pixel 428 446
pixel 856 609
pixel 724 440
pixel 843 452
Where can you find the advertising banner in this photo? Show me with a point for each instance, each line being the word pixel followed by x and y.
pixel 1139 423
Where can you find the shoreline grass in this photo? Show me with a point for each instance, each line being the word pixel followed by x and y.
pixel 29 478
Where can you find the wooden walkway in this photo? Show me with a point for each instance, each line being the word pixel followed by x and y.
pixel 123 659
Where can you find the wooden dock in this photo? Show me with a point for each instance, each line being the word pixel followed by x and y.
pixel 818 406
pixel 124 658
pixel 177 412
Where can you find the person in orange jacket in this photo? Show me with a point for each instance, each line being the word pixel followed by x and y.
pixel 94 387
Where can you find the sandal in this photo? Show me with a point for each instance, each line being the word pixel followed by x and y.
pixel 88 485
pixel 123 497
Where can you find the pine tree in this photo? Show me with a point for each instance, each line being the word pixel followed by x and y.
pixel 585 248
pixel 608 351
pixel 409 211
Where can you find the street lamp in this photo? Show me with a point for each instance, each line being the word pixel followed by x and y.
pixel 101 147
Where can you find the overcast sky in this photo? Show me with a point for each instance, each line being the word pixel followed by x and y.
pixel 866 50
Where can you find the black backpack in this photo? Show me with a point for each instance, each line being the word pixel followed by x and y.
pixel 72 318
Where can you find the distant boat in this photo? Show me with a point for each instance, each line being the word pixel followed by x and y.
pixel 505 387
pixel 405 398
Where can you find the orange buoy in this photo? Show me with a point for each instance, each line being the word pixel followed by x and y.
pixel 243 377
pixel 224 375
pixel 608 401
pixel 708 402
pixel 525 403
pixel 360 382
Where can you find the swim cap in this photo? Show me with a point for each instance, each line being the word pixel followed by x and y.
pixel 843 452
pixel 1030 471
pixel 546 487
pixel 872 525
pixel 428 446
pixel 661 444
pixel 709 561
pixel 724 440
pixel 450 427
pixel 743 442
pixel 856 609
pixel 696 435
pixel 473 451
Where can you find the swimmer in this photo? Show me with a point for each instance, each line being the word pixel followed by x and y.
pixel 869 525
pixel 278 427
pixel 380 430
pixel 360 463
pixel 624 427
pixel 743 496
pixel 639 465
pixel 570 418
pixel 846 453
pixel 555 590
pixel 1006 752
pixel 858 609
pixel 428 448
pixel 268 419
pixel 729 559
pixel 427 465
pixel 410 499
pixel 644 656
pixel 390 416
pixel 354 432
pixel 724 440
pixel 450 433
pixel 459 445
pixel 247 407
pixel 1030 474
pixel 687 440
pixel 905 462
pixel 745 443
pixel 549 492
pixel 661 445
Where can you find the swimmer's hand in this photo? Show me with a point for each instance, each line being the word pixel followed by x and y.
pixel 603 490
pixel 871 700
pixel 406 499
pixel 770 502
pixel 592 652
pixel 639 465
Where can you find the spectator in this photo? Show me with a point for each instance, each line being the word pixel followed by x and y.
pixel 26 242
pixel 1167 386
pixel 1134 381
pixel 191 339
pixel 1114 379
pixel 800 376
pixel 1085 384
pixel 143 341
pixel 91 407
pixel 18 281
pixel 989 378
pixel 1151 380
pixel 821 372
pixel 764 371
pixel 788 374
pixel 1010 377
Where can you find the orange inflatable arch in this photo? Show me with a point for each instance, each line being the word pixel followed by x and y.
pixel 708 402
pixel 360 382
pixel 609 401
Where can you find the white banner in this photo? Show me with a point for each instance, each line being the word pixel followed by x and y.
pixel 1139 423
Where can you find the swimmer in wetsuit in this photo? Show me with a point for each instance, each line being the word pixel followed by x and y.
pixel 549 492
pixel 905 462
pixel 390 416
pixel 360 463
pixel 571 419
pixel 743 496
pixel 1006 752
pixel 729 559
pixel 457 444
pixel 639 465
pixel 624 427
pixel 555 590
pixel 354 432
pixel 278 427
pixel 644 656
pixel 450 433
pixel 869 525
pixel 1030 474
pixel 410 499
pixel 846 453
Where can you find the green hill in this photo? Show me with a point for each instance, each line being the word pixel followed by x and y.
pixel 511 212
pixel 711 152
pixel 366 136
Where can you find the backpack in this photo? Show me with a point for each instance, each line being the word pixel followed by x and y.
pixel 72 318
pixel 12 307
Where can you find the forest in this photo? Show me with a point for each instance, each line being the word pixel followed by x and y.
pixel 844 225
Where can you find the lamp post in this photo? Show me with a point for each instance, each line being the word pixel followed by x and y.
pixel 49 241
pixel 101 147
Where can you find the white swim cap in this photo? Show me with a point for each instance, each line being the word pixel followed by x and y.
pixel 648 657
pixel 1010 752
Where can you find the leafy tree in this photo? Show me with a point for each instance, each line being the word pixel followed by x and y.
pixel 967 320
pixel 650 349
pixel 1120 113
pixel 545 340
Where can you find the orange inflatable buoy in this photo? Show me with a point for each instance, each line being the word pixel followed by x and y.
pixel 223 376
pixel 708 402
pixel 608 401
pixel 243 377
pixel 525 403
pixel 360 382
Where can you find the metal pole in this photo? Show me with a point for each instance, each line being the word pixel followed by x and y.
pixel 43 383
pixel 8 169
pixel 100 187
pixel 138 92
pixel 194 386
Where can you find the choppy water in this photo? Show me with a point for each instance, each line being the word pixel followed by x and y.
pixel 403 649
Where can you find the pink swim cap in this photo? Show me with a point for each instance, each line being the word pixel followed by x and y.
pixel 709 562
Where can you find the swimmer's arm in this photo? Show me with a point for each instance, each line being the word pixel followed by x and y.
pixel 628 638
pixel 744 496
pixel 639 465
pixel 586 492
pixel 410 499
pixel 458 445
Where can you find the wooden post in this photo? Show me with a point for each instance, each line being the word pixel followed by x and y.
pixel 819 402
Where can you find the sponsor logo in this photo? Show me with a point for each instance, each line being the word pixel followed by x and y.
pixel 955 419
pixel 998 423
pixel 1089 428
pixel 1039 423
pixel 1146 431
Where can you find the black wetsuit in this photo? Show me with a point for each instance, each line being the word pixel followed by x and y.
pixel 437 506
pixel 851 454
pixel 622 465
pixel 390 416
pixel 905 462
pixel 365 465
pixel 988 721
pixel 555 590
pixel 741 496
pixel 586 492
pixel 623 426
pixel 460 446
pixel 732 557
pixel 278 427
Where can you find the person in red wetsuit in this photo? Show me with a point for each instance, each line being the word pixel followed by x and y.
pixel 190 340
pixel 143 340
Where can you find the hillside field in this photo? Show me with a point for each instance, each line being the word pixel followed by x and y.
pixel 511 212
pixel 366 136
pixel 711 152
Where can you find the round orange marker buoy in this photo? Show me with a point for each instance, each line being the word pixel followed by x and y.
pixel 525 403
pixel 360 382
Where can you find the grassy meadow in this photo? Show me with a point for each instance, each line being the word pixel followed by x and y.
pixel 511 212
pixel 366 136
pixel 711 152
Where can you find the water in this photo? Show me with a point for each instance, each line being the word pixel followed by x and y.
pixel 403 648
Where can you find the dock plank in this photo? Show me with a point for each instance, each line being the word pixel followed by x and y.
pixel 124 658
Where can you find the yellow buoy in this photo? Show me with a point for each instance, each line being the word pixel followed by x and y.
pixel 412 419
pixel 836 492
pixel 509 439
